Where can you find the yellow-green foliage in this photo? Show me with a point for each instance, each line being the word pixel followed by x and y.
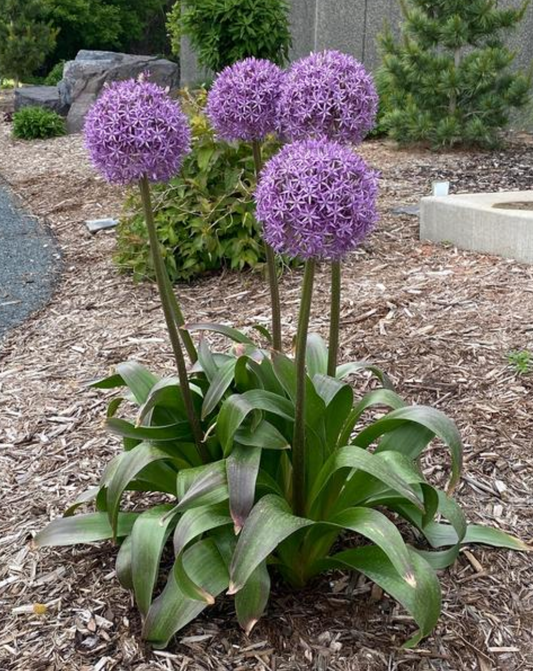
pixel 204 216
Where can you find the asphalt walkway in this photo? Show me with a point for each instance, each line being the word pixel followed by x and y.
pixel 29 262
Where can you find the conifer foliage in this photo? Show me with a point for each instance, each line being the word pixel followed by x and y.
pixel 448 79
pixel 25 38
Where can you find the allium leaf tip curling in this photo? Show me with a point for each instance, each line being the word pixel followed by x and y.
pixel 135 130
pixel 242 103
pixel 316 199
pixel 327 94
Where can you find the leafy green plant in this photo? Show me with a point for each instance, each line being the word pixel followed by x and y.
pixel 205 217
pixel 223 32
pixel 521 361
pixel 230 521
pixel 37 123
pixel 448 80
pixel 55 75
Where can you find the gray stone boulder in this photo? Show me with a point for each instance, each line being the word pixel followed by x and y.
pixel 40 96
pixel 84 77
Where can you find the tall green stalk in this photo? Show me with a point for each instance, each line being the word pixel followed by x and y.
pixel 271 266
pixel 335 317
pixel 298 441
pixel 180 321
pixel 162 283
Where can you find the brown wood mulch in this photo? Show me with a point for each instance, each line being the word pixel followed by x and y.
pixel 441 321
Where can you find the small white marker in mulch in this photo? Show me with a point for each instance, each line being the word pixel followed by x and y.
pixel 95 225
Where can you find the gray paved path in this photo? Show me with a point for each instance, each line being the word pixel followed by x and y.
pixel 29 262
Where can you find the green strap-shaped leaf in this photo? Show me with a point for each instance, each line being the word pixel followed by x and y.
pixel 380 530
pixel 89 528
pixel 269 523
pixel 264 332
pixel 218 387
pixel 285 370
pixel 123 564
pixel 131 464
pixel 251 601
pixel 178 432
pixel 237 407
pixel 205 485
pixel 207 360
pixel 356 366
pixel 422 601
pixel 164 394
pixel 84 497
pixel 356 458
pixel 440 535
pixel 189 588
pixel 148 537
pixel 138 379
pixel 338 398
pixel 196 521
pixel 264 435
pixel 242 467
pixel 108 382
pixel 172 610
pixel 231 333
pixel 385 397
pixel 316 355
pixel 434 500
pixel 430 418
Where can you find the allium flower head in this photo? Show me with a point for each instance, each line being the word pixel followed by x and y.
pixel 136 129
pixel 327 94
pixel 316 199
pixel 242 103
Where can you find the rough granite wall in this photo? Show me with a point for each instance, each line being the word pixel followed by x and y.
pixel 352 26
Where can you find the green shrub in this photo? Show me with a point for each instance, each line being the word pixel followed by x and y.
pixel 37 123
pixel 448 80
pixel 223 32
pixel 55 75
pixel 205 216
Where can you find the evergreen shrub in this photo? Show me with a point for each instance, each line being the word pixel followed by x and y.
pixel 448 80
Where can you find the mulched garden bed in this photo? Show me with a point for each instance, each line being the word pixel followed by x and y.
pixel 440 321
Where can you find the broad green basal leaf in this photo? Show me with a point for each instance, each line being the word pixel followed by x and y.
pixel 422 601
pixel 148 537
pixel 269 523
pixel 172 610
pixel 89 528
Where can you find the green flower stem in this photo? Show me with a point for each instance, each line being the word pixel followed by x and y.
pixel 160 272
pixel 271 265
pixel 180 321
pixel 335 317
pixel 298 441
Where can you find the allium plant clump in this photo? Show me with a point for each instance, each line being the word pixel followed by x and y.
pixel 242 103
pixel 264 462
pixel 136 130
pixel 327 94
pixel 316 199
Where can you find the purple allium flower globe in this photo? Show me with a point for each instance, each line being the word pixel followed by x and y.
pixel 242 104
pixel 134 130
pixel 327 94
pixel 316 199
